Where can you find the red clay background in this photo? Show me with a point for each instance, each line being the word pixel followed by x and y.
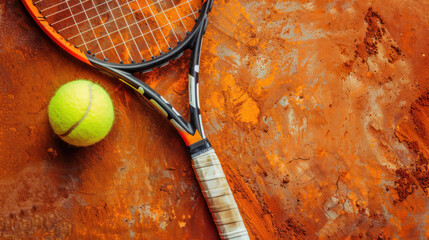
pixel 318 110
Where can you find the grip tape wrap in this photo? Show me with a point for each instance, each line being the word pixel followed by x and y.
pixel 218 196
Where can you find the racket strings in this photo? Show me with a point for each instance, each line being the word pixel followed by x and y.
pixel 124 31
pixel 132 39
pixel 91 29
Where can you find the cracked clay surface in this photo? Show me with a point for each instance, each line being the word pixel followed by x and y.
pixel 318 111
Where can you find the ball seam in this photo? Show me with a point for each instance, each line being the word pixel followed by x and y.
pixel 84 115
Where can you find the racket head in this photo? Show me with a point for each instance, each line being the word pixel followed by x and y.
pixel 131 35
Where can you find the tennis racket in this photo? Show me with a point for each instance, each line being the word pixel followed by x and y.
pixel 122 37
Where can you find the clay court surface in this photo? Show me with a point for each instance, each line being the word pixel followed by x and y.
pixel 318 111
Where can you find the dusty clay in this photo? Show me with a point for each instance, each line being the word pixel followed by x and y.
pixel 318 111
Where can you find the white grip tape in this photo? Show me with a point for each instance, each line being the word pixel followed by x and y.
pixel 219 197
pixel 208 173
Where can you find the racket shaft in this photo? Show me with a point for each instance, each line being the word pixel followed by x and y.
pixel 219 196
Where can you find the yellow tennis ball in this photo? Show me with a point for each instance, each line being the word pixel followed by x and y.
pixel 81 113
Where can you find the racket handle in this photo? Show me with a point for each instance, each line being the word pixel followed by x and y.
pixel 219 196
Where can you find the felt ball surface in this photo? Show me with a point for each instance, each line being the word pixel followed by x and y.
pixel 81 113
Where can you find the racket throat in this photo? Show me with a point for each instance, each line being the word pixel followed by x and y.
pixel 194 68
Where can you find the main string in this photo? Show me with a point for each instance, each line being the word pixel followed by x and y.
pixel 127 30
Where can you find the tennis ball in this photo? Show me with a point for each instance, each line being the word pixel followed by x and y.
pixel 81 113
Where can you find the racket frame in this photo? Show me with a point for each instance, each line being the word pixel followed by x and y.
pixel 205 162
pixel 192 131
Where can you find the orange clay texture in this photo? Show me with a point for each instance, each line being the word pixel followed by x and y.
pixel 318 110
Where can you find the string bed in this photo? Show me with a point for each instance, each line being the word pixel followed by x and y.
pixel 122 31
